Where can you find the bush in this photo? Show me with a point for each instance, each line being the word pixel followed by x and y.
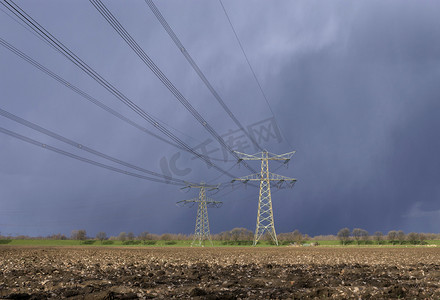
pixel 150 242
pixel 88 242
pixel 131 243
pixel 170 242
pixel 5 241
pixel 237 243
pixel 245 243
pixel 108 242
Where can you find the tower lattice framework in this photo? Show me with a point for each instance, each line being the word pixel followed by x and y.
pixel 265 219
pixel 201 232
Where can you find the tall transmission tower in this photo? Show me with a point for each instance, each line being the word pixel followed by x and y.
pixel 265 221
pixel 201 232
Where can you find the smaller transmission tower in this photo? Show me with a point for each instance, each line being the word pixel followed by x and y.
pixel 265 221
pixel 201 232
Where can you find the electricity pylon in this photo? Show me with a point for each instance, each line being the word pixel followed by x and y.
pixel 201 232
pixel 265 220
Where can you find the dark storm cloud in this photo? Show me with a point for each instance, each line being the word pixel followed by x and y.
pixel 354 87
pixel 366 111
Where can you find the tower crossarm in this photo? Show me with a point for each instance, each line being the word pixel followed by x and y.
pixel 245 179
pixel 244 156
pixel 264 155
pixel 271 177
pixel 281 181
pixel 276 177
pixel 213 204
pixel 208 187
pixel 189 203
pixel 286 156
pixel 210 202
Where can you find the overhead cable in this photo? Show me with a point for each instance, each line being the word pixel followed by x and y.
pixel 63 139
pixel 196 68
pixel 253 72
pixel 80 158
pixel 110 18
pixel 87 96
pixel 41 31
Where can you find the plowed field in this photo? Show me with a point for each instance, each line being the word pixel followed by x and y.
pixel 219 273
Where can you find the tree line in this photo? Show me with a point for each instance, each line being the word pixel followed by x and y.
pixel 235 235
pixel 394 237
pixel 244 236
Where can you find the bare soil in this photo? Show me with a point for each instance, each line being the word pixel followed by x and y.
pixel 219 273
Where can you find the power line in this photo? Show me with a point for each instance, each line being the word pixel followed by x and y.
pixel 253 72
pixel 41 31
pixel 85 95
pixel 80 158
pixel 26 28
pixel 220 176
pixel 196 68
pixel 166 141
pixel 77 90
pixel 63 139
pixel 110 18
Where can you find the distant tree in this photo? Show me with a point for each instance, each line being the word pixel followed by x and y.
pixel 130 236
pixel 392 236
pixel 235 234
pixel 378 237
pixel 101 236
pixel 330 237
pixel 165 237
pixel 222 236
pixel 82 235
pixel 306 237
pixel 240 234
pixel 284 237
pixel 246 235
pixel 144 236
pixel 297 237
pixel 422 238
pixel 432 236
pixel 401 237
pixel 344 235
pixel 57 236
pixel 21 237
pixel 78 235
pixel 357 234
pixel 365 236
pixel 413 238
pixel 74 234
pixel 122 236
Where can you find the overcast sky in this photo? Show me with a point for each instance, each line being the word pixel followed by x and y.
pixel 353 86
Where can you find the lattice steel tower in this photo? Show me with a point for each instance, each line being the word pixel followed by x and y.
pixel 201 232
pixel 265 220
